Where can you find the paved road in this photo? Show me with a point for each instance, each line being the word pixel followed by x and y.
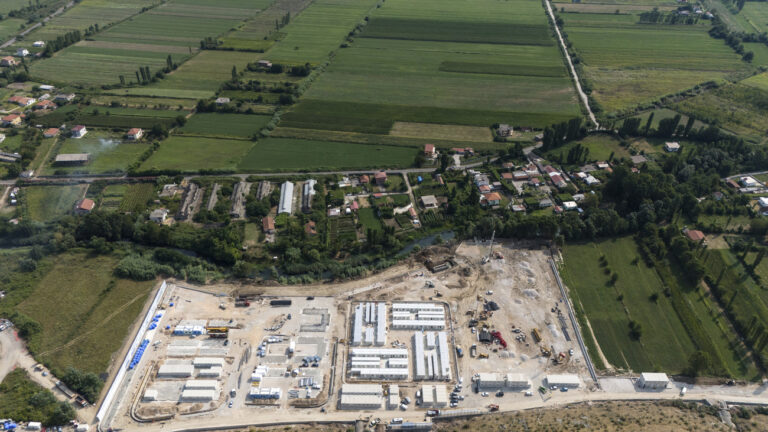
pixel 575 76
pixel 29 29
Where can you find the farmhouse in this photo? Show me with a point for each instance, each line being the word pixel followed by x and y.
pixel 222 101
pixel 11 120
pixel 84 206
pixel 652 380
pixel 71 159
pixel 134 134
pixel 46 104
pixel 429 201
pixel 79 131
pixel 504 130
pixel 8 61
pixel 672 147
pixel 50 133
pixel 268 225
pixel 22 52
pixel 695 235
pixel 380 178
pixel 64 97
pixel 466 151
pixel 158 215
pixel 490 199
pixel 429 151
pixel 21 100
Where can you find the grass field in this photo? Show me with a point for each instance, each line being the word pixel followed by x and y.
pixel 192 154
pixel 9 26
pixel 600 148
pixel 281 154
pixel 455 67
pixel 109 117
pixel 665 343
pixel 447 132
pixel 629 63
pixel 740 108
pixel 85 314
pixel 369 220
pixel 174 28
pixel 225 125
pixel 108 153
pixel 45 203
pixel 136 197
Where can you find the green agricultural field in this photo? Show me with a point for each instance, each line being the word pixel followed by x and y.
pixel 412 65
pixel 601 147
pixel 84 323
pixel 108 153
pixel 110 117
pixel 173 28
pixel 318 30
pixel 665 343
pixel 225 125
pixel 136 197
pixel 755 14
pixel 193 154
pixel 9 27
pixel 368 219
pixel 281 154
pixel 740 108
pixel 627 63
pixel 111 196
pixel 45 203
pixel 11 143
pixel 665 113
pixel 259 33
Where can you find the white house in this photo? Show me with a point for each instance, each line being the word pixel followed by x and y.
pixel 158 215
pixel 22 52
pixel 672 146
pixel 38 44
pixel 79 131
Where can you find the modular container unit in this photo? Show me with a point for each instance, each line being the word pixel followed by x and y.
pixel 381 324
pixel 445 357
pixel 418 356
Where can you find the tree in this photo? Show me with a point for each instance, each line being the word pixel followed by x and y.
pixel 649 123
pixel 234 73
pixel 635 330
pixel 445 161
pixel 698 363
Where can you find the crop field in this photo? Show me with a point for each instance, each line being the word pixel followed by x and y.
pixel 629 63
pixel 368 219
pixel 174 28
pixel 318 30
pixel 108 153
pixel 755 14
pixel 411 65
pixel 275 154
pixel 9 27
pixel 258 33
pixel 45 203
pixel 111 196
pixel 436 131
pixel 136 197
pixel 665 343
pixel 192 154
pixel 665 113
pixel 197 78
pixel 144 101
pixel 109 117
pixel 87 13
pixel 740 108
pixel 225 125
pixel 86 322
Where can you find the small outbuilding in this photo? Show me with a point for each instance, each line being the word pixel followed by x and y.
pixel 71 159
pixel 653 380
pixel 79 131
pixel 565 380
pixel 672 147
pixel 429 201
pixel 84 206
pixel 134 134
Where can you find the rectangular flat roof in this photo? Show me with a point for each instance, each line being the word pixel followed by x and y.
pixel 378 352
pixel 563 379
pixel 361 389
pixel 360 399
pixel 654 377
pixel 72 157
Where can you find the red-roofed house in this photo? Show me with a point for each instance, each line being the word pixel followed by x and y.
pixel 558 181
pixel 268 225
pixel 134 134
pixel 364 179
pixel 355 206
pixel 84 206
pixel 79 131
pixel 484 188
pixel 8 61
pixel 549 169
pixel 490 199
pixel 380 178
pixel 46 104
pixel 695 235
pixel 429 151
pixel 412 213
pixel 310 228
pixel 50 133
pixel 507 176
pixel 11 120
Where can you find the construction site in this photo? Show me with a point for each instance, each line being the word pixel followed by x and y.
pixel 485 328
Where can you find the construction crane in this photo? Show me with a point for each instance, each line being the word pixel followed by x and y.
pixel 490 248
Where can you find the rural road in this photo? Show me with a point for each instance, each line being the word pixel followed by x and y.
pixel 575 76
pixel 10 350
pixel 45 20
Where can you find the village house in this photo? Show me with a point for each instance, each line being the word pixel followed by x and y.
pixel 520 175
pixel 672 147
pixel 504 130
pixel 546 202
pixel 696 236
pixel 264 64
pixel 46 87
pixel 158 215
pixel 466 151
pixel 268 225
pixel 46 104
pixel 508 176
pixel 64 97
pixel 38 44
pixel 22 52
pixel 638 159
pixel 8 61
pixel 222 101
pixel 84 206
pixel 429 201
pixel 11 120
pixel 134 134
pixel 763 203
pixel 429 151
pixel 51 133
pixel 21 100
pixel 380 178
pixel 558 181
pixel 490 199
pixel 748 182
pixel 79 131
pixel 570 205
pixel 364 179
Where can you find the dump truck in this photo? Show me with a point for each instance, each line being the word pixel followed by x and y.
pixel 493 407
pixel 483 356
pixel 536 335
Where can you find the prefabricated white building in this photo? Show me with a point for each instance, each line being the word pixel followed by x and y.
pixel 381 373
pixel 415 324
pixel 445 356
pixel 418 356
pixel 490 381
pixel 357 327
pixel 360 402
pixel 195 395
pixel 516 380
pixel 394 396
pixel 201 384
pixel 175 371
pixel 567 380
pixel 362 389
pixel 381 324
pixel 206 362
pixel 652 380
pixel 213 372
pixel 378 352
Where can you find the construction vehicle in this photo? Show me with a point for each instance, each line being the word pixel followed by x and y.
pixel 545 352
pixel 429 284
pixel 498 255
pixel 536 335
pixel 497 335
pixel 483 356
pixel 217 332
pixel 493 407
pixel 433 413
pixel 438 293
pixel 473 351
pixel 459 351
pixel 242 303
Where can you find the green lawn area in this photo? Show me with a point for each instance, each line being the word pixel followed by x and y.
pixel 282 154
pixel 225 125
pixel 368 219
pixel 600 148
pixel 192 154
pixel 45 203
pixel 11 143
pixel 80 302
pixel 628 63
pixel 664 345
pixel 108 153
